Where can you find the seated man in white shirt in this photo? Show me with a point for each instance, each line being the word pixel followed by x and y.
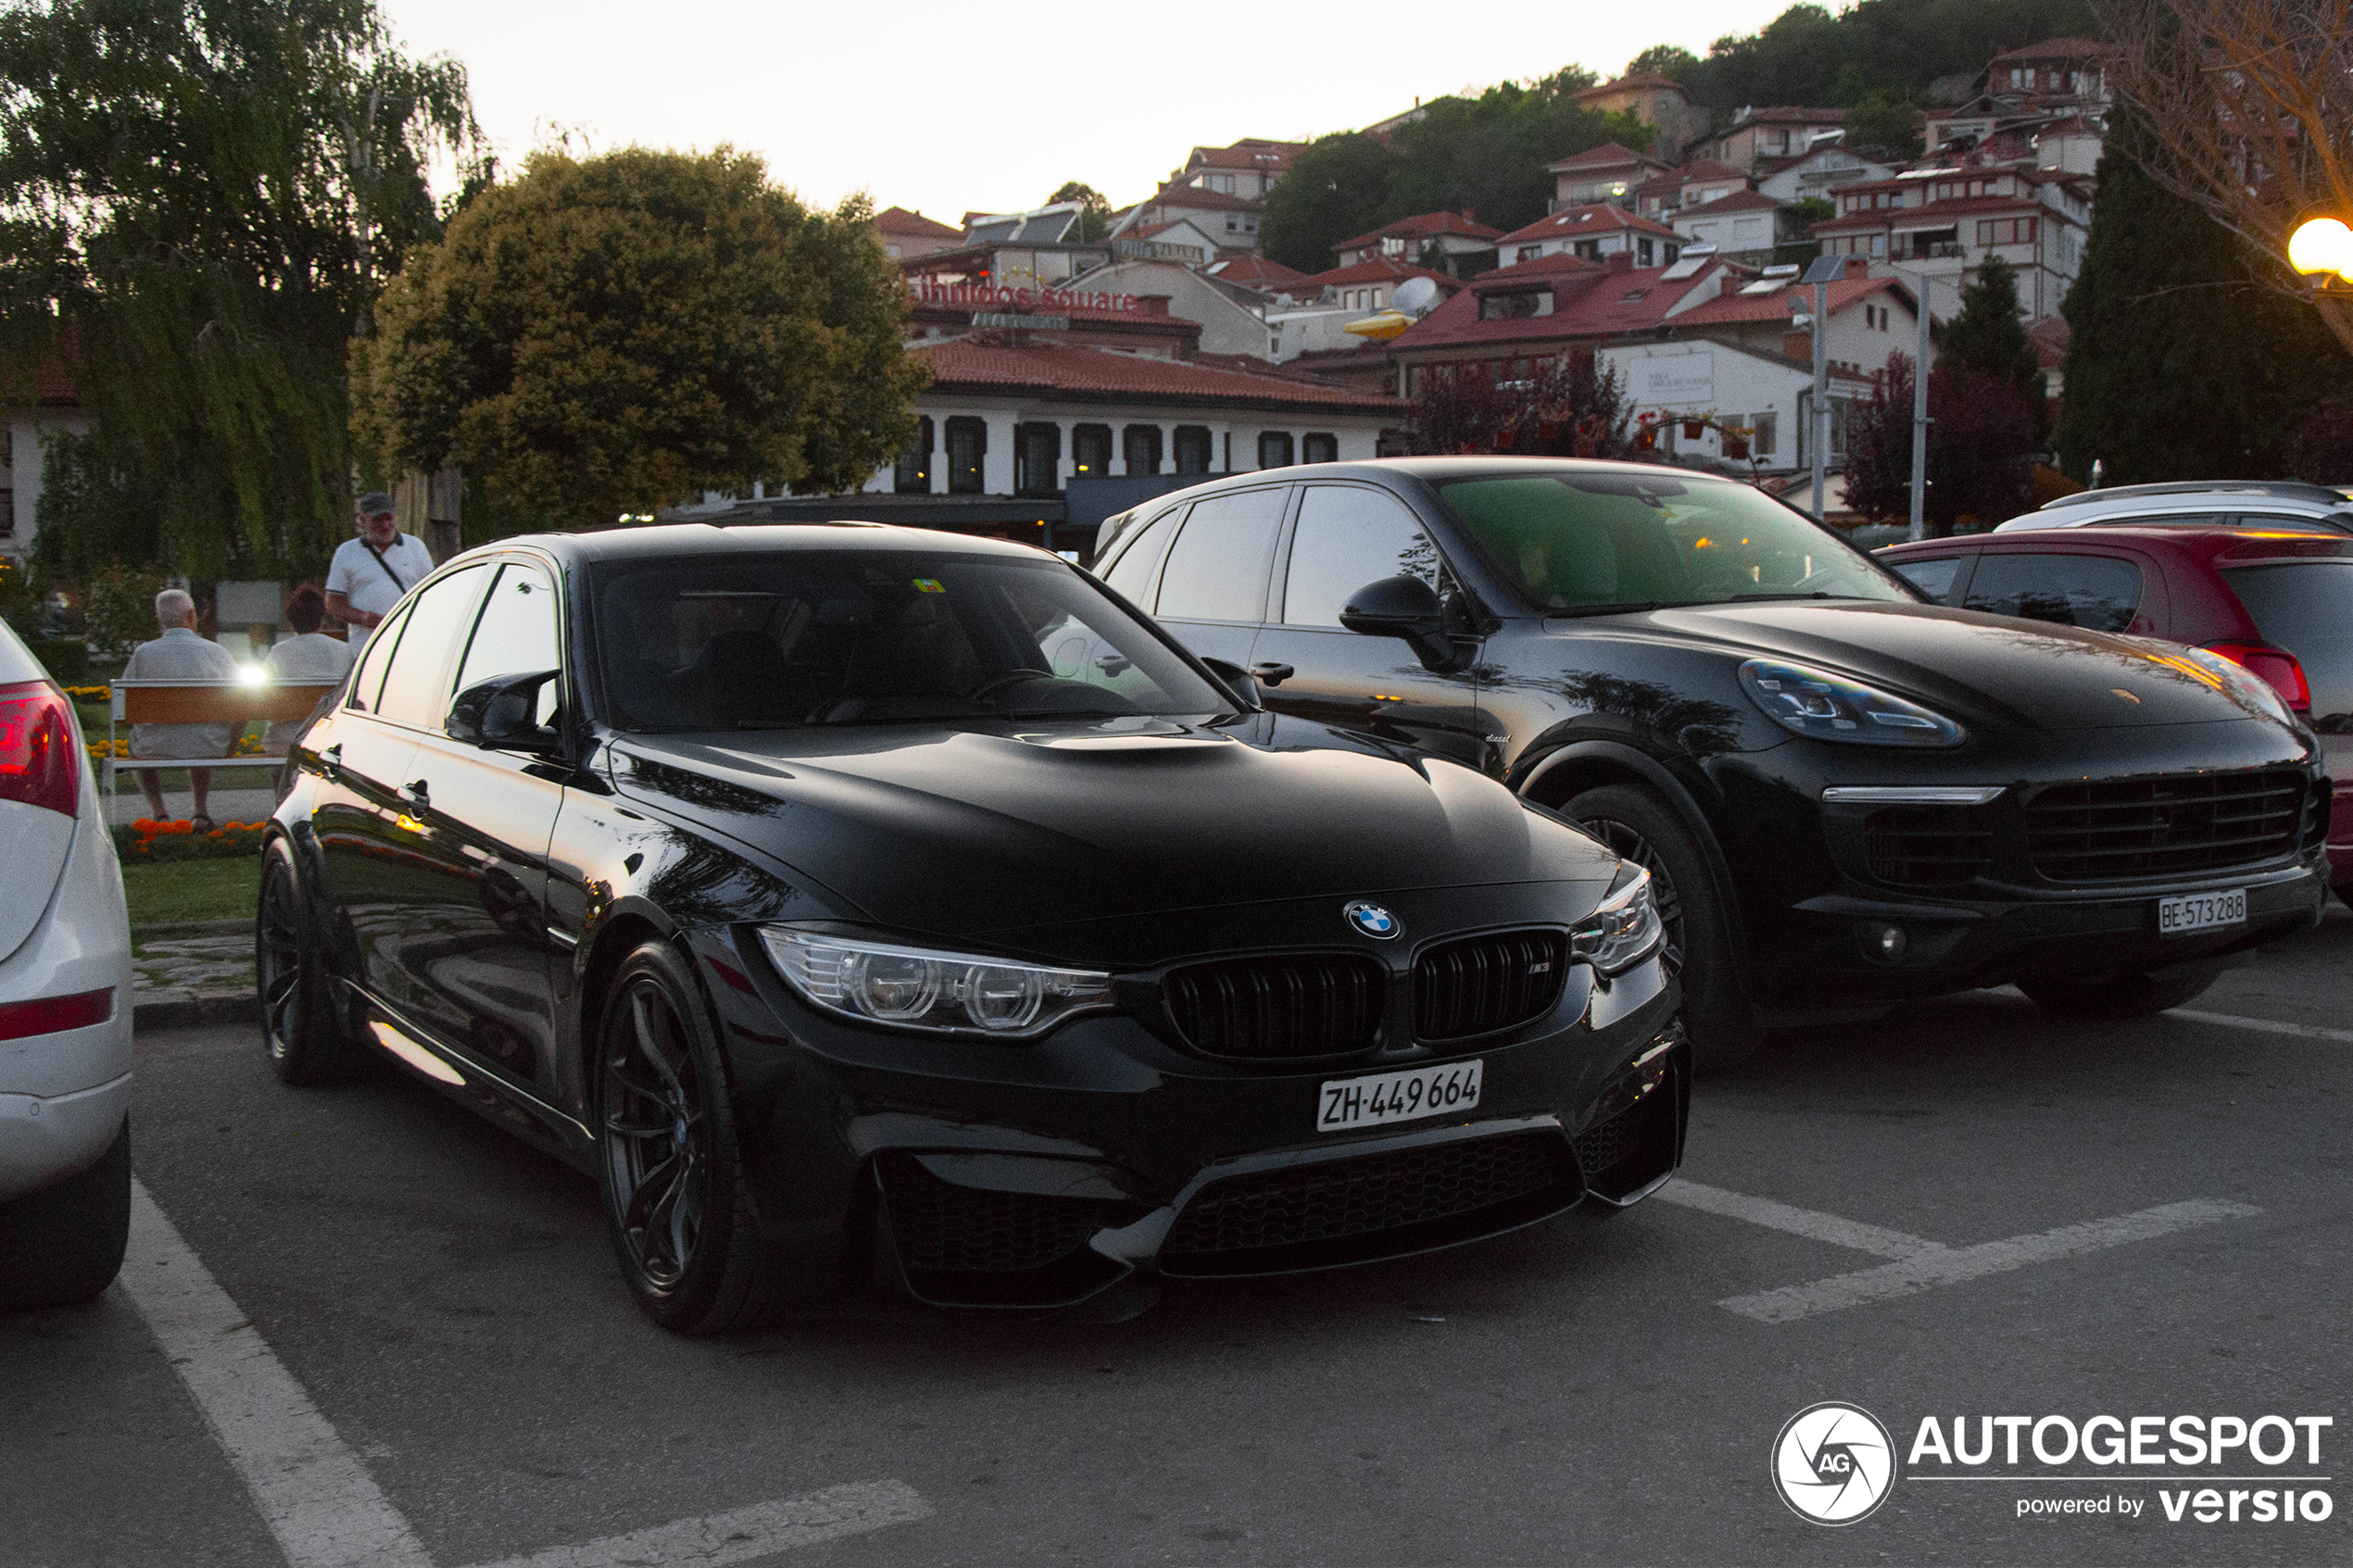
pixel 310 658
pixel 368 574
pixel 180 655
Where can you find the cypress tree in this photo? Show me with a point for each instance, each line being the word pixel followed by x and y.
pixel 2180 364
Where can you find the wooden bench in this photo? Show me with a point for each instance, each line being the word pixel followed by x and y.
pixel 205 702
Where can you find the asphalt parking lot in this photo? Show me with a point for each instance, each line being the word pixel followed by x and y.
pixel 359 1326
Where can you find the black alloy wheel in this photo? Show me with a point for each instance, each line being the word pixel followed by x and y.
pixel 1640 829
pixel 300 1027
pixel 675 1208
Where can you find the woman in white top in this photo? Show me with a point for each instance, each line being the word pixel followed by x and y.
pixel 310 658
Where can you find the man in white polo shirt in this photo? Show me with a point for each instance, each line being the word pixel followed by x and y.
pixel 370 574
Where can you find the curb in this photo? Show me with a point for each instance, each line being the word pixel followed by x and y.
pixel 192 1012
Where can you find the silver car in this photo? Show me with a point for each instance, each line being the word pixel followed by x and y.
pixel 2220 502
pixel 65 1006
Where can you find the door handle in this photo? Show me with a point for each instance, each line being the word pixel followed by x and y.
pixel 332 758
pixel 1271 674
pixel 417 794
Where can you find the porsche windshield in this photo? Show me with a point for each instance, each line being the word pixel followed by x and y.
pixel 1588 543
pixel 826 637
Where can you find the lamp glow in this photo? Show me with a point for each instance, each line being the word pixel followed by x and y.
pixel 252 675
pixel 2321 244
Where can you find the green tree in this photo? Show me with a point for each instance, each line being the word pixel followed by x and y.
pixel 1094 215
pixel 1986 333
pixel 602 337
pixel 2179 364
pixel 1884 123
pixel 1336 186
pixel 194 202
pixel 1669 60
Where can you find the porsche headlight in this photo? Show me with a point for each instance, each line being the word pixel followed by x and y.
pixel 925 988
pixel 1623 931
pixel 2237 679
pixel 1829 707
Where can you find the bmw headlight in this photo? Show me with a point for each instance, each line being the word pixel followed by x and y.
pixel 1827 707
pixel 1623 931
pixel 925 988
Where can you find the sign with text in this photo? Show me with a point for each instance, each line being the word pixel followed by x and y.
pixel 987 296
pixel 1684 378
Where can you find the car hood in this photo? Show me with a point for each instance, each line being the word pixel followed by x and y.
pixel 1984 670
pixel 964 832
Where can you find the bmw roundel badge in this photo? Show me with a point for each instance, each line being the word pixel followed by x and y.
pixel 1373 921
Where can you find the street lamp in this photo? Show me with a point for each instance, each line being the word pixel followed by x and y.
pixel 2320 246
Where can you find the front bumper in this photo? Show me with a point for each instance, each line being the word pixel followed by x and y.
pixel 1043 1174
pixel 1818 884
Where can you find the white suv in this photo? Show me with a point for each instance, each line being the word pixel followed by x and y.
pixel 2219 503
pixel 65 1006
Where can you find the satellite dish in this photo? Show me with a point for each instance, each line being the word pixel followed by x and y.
pixel 1415 295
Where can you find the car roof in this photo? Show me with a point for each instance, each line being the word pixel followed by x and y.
pixel 2279 489
pixel 668 541
pixel 2201 543
pixel 2170 501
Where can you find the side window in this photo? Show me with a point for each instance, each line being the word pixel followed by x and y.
pixel 417 688
pixel 2291 524
pixel 373 660
pixel 1132 575
pixel 1934 578
pixel 2100 592
pixel 516 634
pixel 1217 569
pixel 1346 537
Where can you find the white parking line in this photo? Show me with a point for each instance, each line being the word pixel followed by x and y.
pixel 318 1498
pixel 2266 1025
pixel 746 1532
pixel 1950 1265
pixel 1806 1222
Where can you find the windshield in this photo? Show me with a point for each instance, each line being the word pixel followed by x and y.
pixel 1579 542
pixel 826 637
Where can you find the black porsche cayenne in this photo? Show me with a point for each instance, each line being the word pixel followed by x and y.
pixel 1846 795
pixel 842 891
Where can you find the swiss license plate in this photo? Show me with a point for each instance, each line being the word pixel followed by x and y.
pixel 2186 913
pixel 1397 1097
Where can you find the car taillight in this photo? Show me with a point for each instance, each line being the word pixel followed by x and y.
pixel 51 1016
pixel 37 761
pixel 2277 667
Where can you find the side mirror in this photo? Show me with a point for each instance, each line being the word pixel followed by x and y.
pixel 1239 682
pixel 1406 607
pixel 497 716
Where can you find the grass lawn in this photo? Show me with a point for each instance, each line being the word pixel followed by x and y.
pixel 181 892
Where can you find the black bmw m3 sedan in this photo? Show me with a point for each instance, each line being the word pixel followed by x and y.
pixel 848 897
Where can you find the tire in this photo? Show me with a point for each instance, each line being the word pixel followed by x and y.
pixel 1644 829
pixel 670 1161
pixel 64 1243
pixel 301 1028
pixel 2122 995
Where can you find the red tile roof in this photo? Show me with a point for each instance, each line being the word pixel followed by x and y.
pixel 1198 199
pixel 1789 114
pixel 1256 271
pixel 899 220
pixel 1703 168
pixel 1573 222
pixel 1607 156
pixel 1373 270
pixel 1588 301
pixel 1739 201
pixel 1737 308
pixel 1250 152
pixel 2057 49
pixel 1070 371
pixel 1422 225
pixel 1557 261
pixel 1634 80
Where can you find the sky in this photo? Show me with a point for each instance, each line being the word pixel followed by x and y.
pixel 945 108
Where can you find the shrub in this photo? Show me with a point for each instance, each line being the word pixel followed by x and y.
pixel 148 841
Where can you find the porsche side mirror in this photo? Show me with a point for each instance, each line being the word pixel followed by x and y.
pixel 1237 680
pixel 497 716
pixel 1406 607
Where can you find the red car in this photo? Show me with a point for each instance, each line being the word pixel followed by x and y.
pixel 2278 601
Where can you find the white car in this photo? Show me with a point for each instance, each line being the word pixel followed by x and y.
pixel 65 1006
pixel 2215 503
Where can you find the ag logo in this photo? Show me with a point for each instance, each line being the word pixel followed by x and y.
pixel 1834 1463
pixel 1372 919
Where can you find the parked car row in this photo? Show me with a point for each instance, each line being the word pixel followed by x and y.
pixel 1363 863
